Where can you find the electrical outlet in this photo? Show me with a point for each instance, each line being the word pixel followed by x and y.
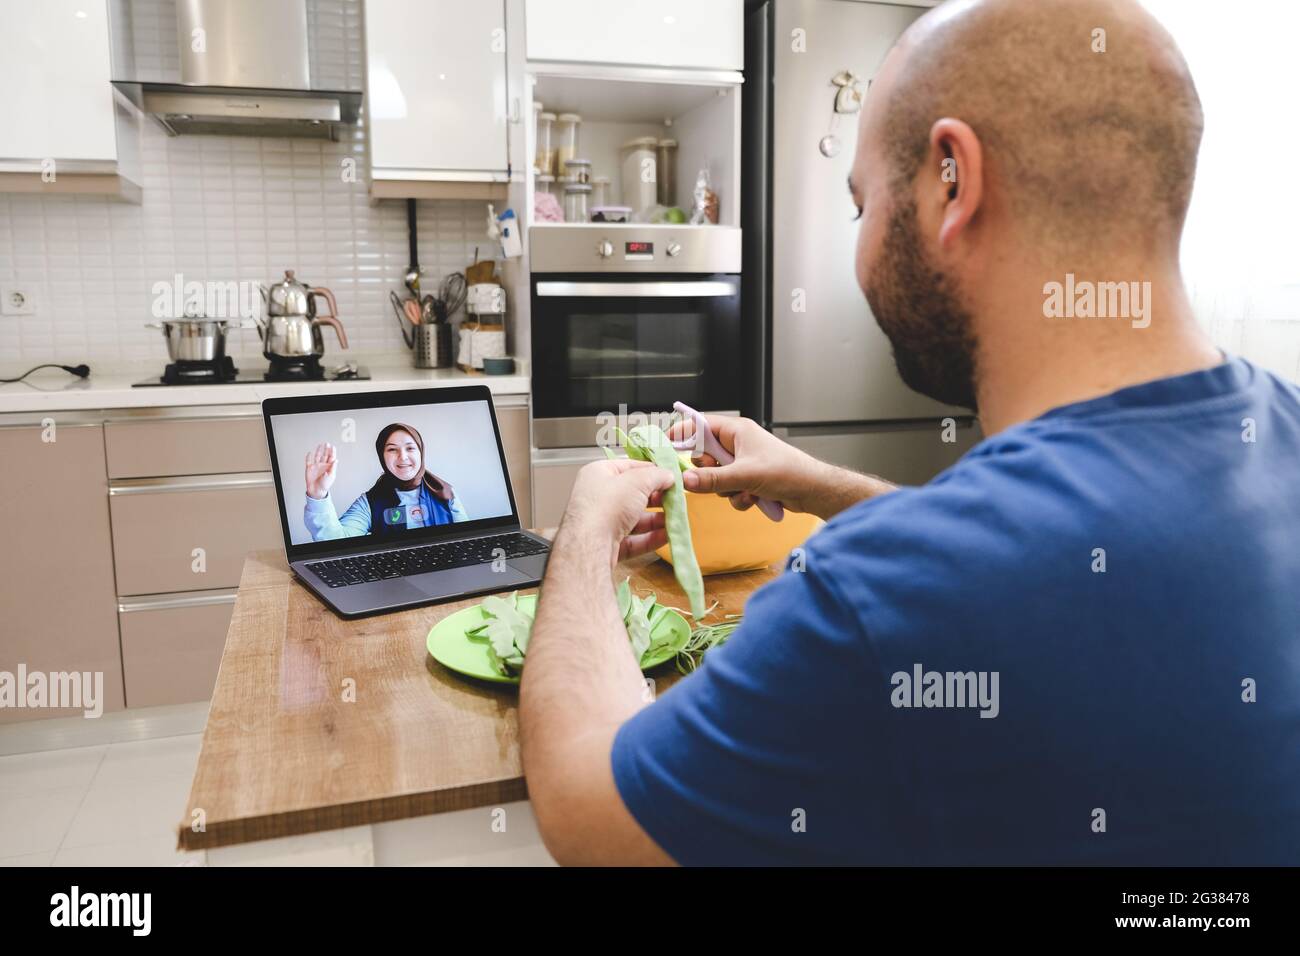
pixel 16 301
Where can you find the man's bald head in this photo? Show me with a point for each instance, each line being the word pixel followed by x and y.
pixel 1085 146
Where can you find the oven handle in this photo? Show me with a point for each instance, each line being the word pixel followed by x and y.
pixel 637 290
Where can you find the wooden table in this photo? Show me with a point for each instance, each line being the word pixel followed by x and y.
pixel 321 724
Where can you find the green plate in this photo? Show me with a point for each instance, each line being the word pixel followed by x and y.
pixel 450 647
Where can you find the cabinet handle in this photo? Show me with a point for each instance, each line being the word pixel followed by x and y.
pixel 154 486
pixel 168 602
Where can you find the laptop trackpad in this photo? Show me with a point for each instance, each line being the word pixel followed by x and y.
pixel 479 577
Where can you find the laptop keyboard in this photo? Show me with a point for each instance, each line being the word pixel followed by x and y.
pixel 363 568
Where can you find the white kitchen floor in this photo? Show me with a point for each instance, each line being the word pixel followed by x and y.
pixel 111 804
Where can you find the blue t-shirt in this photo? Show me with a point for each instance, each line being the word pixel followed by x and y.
pixel 1127 569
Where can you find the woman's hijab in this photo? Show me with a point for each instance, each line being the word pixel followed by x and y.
pixel 388 482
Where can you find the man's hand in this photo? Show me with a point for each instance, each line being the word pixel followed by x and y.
pixel 766 467
pixel 609 501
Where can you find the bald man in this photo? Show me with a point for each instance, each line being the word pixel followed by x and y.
pixel 1078 645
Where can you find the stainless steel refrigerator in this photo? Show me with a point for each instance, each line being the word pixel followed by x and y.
pixel 824 374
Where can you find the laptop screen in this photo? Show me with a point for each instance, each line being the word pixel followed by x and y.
pixel 385 472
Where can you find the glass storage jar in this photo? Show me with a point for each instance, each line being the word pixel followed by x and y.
pixel 566 139
pixel 576 197
pixel 545 160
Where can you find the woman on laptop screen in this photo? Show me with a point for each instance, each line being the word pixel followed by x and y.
pixel 406 494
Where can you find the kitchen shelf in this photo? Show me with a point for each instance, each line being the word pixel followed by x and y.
pixel 698 108
pixel 625 95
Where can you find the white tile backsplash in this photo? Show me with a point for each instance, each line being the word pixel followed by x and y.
pixel 222 208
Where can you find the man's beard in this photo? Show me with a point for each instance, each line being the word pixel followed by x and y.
pixel 922 316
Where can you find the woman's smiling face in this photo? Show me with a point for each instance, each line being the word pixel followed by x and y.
pixel 402 456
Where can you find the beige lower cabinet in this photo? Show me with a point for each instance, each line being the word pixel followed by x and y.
pixel 512 420
pixel 57 601
pixel 126 535
pixel 199 446
pixel 172 644
pixel 190 533
pixel 554 472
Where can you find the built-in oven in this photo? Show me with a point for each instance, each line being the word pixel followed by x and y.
pixel 629 319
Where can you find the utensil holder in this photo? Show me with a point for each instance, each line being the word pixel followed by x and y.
pixel 433 345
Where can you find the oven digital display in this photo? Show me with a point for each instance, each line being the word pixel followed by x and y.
pixel 639 249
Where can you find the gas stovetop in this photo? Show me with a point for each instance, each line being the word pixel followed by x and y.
pixel 224 372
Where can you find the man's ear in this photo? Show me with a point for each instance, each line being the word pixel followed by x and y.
pixel 957 156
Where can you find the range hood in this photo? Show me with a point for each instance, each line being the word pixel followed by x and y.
pixel 245 70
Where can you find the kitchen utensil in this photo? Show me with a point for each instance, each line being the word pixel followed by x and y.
pixel 400 311
pixel 449 645
pixel 412 277
pixel 292 327
pixel 197 339
pixel 433 345
pixel 480 272
pixel 453 292
pixel 412 310
pixel 705 442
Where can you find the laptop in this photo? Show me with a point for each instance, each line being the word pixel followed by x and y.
pixel 395 499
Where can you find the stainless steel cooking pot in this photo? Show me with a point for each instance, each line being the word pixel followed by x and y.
pixel 196 339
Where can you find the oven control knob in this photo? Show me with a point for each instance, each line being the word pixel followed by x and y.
pixel 674 248
pixel 604 248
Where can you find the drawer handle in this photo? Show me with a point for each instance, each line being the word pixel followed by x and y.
pixel 167 602
pixel 151 486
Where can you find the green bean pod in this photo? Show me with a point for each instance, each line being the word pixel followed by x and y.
pixel 686 568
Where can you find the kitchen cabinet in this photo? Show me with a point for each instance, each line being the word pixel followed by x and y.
pixel 63 128
pixel 436 98
pixel 100 567
pixel 158 449
pixel 683 34
pixel 190 533
pixel 554 472
pixel 189 498
pixel 514 426
pixel 57 603
pixel 172 645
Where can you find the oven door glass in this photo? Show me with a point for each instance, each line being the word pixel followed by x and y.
pixel 642 342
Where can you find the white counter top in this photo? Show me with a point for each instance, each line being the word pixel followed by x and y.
pixel 52 390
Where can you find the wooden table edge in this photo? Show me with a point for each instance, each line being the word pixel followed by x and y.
pixel 357 813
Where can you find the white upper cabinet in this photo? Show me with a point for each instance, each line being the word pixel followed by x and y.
pixel 436 92
pixel 689 34
pixel 63 128
pixel 55 70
